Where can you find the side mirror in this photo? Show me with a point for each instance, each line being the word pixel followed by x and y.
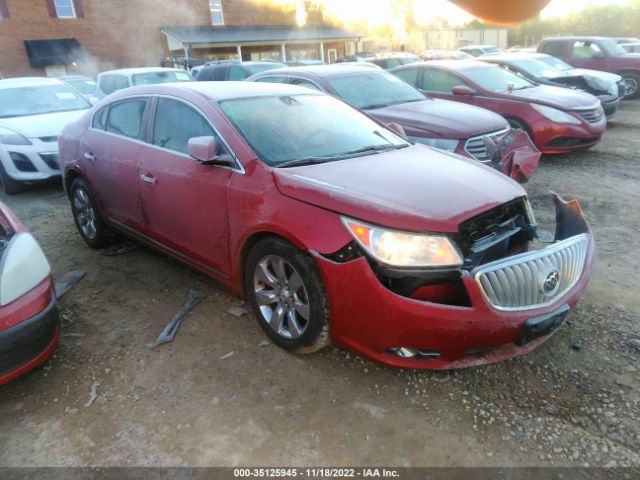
pixel 397 129
pixel 463 90
pixel 205 150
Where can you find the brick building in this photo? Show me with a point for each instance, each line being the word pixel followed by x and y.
pixel 87 36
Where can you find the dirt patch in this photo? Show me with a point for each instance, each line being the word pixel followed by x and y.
pixel 573 401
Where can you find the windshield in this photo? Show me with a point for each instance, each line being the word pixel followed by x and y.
pixel 85 87
pixel 287 128
pixel 264 67
pixel 153 78
pixel 17 102
pixel 374 90
pixel 536 68
pixel 496 79
pixel 612 47
pixel 556 63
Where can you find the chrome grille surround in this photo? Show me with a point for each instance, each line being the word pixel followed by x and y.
pixel 476 147
pixel 517 283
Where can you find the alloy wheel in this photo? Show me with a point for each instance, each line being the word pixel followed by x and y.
pixel 84 213
pixel 281 296
pixel 630 86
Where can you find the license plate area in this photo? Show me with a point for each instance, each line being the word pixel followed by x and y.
pixel 544 325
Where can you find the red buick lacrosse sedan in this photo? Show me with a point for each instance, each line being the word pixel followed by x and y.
pixel 333 226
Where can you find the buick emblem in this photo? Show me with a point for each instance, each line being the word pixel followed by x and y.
pixel 551 283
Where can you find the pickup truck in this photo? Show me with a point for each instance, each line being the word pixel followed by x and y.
pixel 597 53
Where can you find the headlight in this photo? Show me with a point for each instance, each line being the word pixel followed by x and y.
pixel 448 144
pixel 8 137
pixel 531 218
pixel 403 249
pixel 22 268
pixel 555 115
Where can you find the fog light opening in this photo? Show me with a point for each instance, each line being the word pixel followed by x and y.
pixel 405 352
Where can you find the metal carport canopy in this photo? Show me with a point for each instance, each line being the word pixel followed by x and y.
pixel 203 37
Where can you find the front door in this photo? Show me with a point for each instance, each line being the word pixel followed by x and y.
pixel 184 202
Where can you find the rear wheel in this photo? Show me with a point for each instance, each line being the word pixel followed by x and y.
pixel 9 185
pixel 86 215
pixel 631 84
pixel 288 296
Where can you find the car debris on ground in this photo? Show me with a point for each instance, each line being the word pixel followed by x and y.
pixel 64 283
pixel 172 327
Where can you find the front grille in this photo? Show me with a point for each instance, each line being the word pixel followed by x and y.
pixel 52 160
pixel 592 116
pixel 525 281
pixel 477 147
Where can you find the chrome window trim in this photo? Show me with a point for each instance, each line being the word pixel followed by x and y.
pixel 239 167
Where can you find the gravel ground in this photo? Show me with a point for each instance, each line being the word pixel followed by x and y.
pixel 219 394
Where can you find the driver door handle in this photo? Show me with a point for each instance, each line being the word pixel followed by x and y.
pixel 148 178
pixel 89 156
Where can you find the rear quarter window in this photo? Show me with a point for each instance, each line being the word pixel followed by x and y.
pixel 100 118
pixel 125 118
pixel 408 75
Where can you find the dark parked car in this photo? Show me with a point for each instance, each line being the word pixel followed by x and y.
pixel 597 53
pixel 233 70
pixel 29 321
pixel 468 131
pixel 532 67
pixel 333 226
pixel 557 119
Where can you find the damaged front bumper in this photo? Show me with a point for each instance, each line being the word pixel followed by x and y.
pixel 512 306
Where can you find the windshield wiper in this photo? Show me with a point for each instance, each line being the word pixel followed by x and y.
pixel 390 104
pixel 313 160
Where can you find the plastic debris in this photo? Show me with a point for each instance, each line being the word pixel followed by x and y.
pixel 226 355
pixel 172 327
pixel 93 395
pixel 237 310
pixel 120 249
pixel 64 283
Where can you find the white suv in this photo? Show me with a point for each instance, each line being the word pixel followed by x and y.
pixel 33 112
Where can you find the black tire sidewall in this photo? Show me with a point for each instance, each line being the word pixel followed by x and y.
pixel 101 238
pixel 8 184
pixel 636 78
pixel 316 336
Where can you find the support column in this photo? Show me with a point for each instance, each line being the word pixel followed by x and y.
pixel 239 51
pixel 186 57
pixel 283 53
pixel 322 52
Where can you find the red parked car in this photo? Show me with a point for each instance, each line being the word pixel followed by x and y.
pixel 29 322
pixel 557 120
pixel 597 53
pixel 466 130
pixel 333 226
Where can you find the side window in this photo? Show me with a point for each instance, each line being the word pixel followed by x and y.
pixel 237 73
pixel 408 75
pixel 175 123
pixel 107 84
pixel 125 118
pixel 585 50
pixel 439 81
pixel 555 49
pixel 272 79
pixel 476 52
pixel 219 74
pixel 120 82
pixel 100 118
pixel 304 83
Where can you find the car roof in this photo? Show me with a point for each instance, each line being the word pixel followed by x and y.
pixel 137 70
pixel 478 46
pixel 217 91
pixel 451 64
pixel 326 70
pixel 575 38
pixel 29 82
pixel 514 56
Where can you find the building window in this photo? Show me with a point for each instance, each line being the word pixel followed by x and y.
pixel 215 6
pixel 65 9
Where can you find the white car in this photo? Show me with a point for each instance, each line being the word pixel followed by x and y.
pixel 33 112
pixel 114 80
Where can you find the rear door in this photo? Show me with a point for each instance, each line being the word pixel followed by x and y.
pixel 184 202
pixel 110 158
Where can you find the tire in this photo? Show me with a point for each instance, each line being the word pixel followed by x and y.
pixel 92 227
pixel 632 84
pixel 288 296
pixel 8 184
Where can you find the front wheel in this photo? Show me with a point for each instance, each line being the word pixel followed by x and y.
pixel 288 296
pixel 631 84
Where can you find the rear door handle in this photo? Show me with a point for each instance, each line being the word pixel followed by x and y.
pixel 148 179
pixel 89 156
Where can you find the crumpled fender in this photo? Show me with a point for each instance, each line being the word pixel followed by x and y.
pixel 519 158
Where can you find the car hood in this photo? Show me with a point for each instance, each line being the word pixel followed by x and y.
pixel 45 125
pixel 557 97
pixel 610 77
pixel 442 117
pixel 417 188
